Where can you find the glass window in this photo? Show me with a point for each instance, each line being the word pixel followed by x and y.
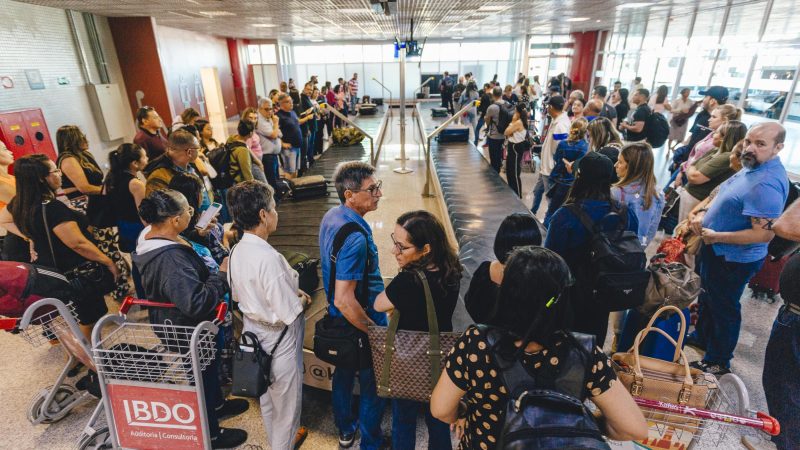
pixel 731 69
pixel 351 53
pixel 771 81
pixel 791 151
pixel 449 52
pixel 782 24
pixel 697 69
pixel 371 88
pixel 706 29
pixel 677 36
pixel 305 54
pixel 430 52
pixel 372 53
pixel 744 22
pixel 268 54
pixel 635 36
pixel 654 36
pixel 253 54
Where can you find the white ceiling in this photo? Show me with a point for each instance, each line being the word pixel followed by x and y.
pixel 305 20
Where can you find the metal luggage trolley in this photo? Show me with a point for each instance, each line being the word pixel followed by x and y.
pixel 151 379
pixel 728 407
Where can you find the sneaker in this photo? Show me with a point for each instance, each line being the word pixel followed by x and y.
pixel 346 440
pixel 232 407
pixel 229 438
pixel 692 341
pixel 713 368
pixel 300 437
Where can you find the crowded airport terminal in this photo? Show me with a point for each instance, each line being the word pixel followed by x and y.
pixel 400 224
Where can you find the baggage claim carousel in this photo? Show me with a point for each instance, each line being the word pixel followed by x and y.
pixel 475 197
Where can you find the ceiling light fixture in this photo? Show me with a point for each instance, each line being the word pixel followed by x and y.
pixel 457 37
pixel 213 14
pixel 493 7
pixel 317 40
pixel 598 20
pixel 263 25
pixel 633 5
pixel 578 19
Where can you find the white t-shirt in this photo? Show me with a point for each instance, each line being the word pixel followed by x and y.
pixel 558 131
pixel 263 282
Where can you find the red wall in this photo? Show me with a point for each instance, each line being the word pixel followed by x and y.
pixel 583 59
pixel 183 54
pixel 243 79
pixel 137 49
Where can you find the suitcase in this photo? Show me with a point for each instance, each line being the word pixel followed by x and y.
pixel 654 345
pixel 377 101
pixel 439 112
pixel 454 133
pixel 765 283
pixel 312 186
pixel 367 109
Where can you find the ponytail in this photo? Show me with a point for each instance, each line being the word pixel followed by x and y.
pixel 119 161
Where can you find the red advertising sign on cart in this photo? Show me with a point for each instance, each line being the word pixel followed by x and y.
pixel 156 418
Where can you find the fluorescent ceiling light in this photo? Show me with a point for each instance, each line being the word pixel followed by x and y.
pixel 355 11
pixel 317 40
pixel 263 25
pixel 457 37
pixel 598 21
pixel 578 19
pixel 216 13
pixel 493 7
pixel 633 5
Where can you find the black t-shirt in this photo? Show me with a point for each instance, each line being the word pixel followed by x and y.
pixel 122 201
pixel 408 296
pixel 290 128
pixel 608 111
pixel 612 153
pixel 700 128
pixel 640 115
pixel 57 213
pixel 790 281
pixel 481 295
pixel 622 111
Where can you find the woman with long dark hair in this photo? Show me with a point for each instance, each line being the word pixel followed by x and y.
pixel 623 106
pixel 567 236
pixel 659 102
pixel 517 135
pixel 126 191
pixel 60 235
pixel 83 186
pixel 533 327
pixel 420 244
pixel 604 138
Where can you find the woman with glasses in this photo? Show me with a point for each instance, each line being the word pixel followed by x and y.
pixel 420 245
pixel 172 272
pixel 60 235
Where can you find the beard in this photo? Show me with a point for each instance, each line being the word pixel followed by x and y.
pixel 749 161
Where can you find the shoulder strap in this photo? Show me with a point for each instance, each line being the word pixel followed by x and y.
pixel 338 241
pixel 47 233
pixel 515 378
pixel 586 221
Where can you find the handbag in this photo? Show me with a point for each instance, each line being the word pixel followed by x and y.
pixel 252 366
pixel 90 278
pixel 666 381
pixel 690 238
pixel 409 362
pixel 671 284
pixel 337 341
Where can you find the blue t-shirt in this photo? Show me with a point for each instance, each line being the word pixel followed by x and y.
pixel 759 192
pixel 350 260
pixel 571 151
pixel 289 124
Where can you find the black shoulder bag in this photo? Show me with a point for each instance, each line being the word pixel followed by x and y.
pixel 252 366
pixel 337 341
pixel 89 278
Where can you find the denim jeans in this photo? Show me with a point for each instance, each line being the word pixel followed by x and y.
pixel 404 427
pixel 495 153
pixel 270 162
pixel 555 197
pixel 310 147
pixel 720 314
pixel 212 391
pixel 370 410
pixel 353 102
pixel 781 384
pixel 478 130
pixel 542 186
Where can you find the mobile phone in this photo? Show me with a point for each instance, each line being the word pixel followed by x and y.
pixel 207 215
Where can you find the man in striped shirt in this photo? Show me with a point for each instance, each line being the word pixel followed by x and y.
pixel 353 86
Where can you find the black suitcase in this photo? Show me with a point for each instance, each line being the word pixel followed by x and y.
pixel 377 101
pixel 454 133
pixel 367 109
pixel 312 186
pixel 438 112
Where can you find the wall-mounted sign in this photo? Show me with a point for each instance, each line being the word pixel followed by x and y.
pixel 63 81
pixel 34 79
pixel 7 82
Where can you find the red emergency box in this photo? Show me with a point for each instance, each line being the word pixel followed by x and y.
pixel 25 132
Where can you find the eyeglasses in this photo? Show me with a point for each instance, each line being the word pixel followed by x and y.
pixel 188 209
pixel 58 171
pixel 400 247
pixel 373 190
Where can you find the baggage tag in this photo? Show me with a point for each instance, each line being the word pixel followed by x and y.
pixel 247 349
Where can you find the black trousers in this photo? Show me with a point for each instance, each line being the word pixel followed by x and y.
pixel 513 163
pixel 447 102
pixel 495 153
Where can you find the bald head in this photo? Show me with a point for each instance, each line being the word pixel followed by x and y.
pixel 593 108
pixel 774 129
pixel 762 143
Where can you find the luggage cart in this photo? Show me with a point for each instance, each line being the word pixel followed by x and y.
pixel 50 320
pixel 728 408
pixel 151 379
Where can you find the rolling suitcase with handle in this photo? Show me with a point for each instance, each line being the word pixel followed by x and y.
pixel 765 283
pixel 312 186
pixel 454 133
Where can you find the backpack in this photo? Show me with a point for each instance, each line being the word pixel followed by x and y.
pixel 446 86
pixel 656 129
pixel 220 159
pixel 22 284
pixel 504 118
pixel 546 411
pixel 616 269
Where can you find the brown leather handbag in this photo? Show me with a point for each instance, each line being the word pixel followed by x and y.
pixel 408 363
pixel 671 284
pixel 666 381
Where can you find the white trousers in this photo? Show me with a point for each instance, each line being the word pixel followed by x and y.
pixel 280 405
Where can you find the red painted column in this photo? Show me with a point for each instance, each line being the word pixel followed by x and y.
pixel 243 80
pixel 583 59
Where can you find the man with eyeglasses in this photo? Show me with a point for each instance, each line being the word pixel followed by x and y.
pixel 149 135
pixel 359 193
pixel 182 149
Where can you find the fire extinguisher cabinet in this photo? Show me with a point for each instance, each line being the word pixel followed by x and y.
pixel 25 132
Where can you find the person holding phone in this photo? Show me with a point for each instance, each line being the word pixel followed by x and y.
pixel 206 238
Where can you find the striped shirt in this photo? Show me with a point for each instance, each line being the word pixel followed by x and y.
pixel 557 132
pixel 353 83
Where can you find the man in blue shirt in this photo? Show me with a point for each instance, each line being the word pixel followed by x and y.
pixel 736 229
pixel 292 141
pixel 359 193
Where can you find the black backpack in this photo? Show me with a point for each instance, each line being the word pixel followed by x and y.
pixel 616 270
pixel 546 411
pixel 220 159
pixel 505 116
pixel 656 129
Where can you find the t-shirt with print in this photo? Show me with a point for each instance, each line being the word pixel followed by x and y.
pixel 408 297
pixel 472 367
pixel 641 114
pixel 715 166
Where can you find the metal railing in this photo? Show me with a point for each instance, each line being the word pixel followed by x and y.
pixel 353 124
pixel 381 135
pixel 426 191
pixel 387 90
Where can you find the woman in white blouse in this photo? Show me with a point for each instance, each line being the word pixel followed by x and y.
pixel 266 288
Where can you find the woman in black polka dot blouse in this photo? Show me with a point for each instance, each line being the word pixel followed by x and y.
pixel 535 315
